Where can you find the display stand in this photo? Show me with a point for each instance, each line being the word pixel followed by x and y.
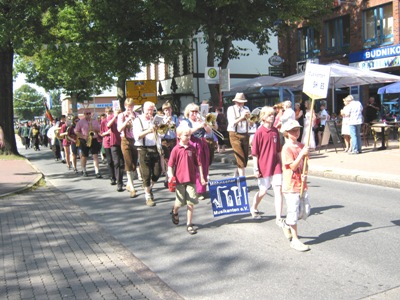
pixel 331 131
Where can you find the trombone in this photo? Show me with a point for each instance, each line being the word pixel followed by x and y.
pixel 211 120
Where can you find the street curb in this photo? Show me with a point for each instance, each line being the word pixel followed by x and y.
pixel 358 178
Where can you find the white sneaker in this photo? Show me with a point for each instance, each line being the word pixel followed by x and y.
pixel 255 214
pixel 299 246
pixel 280 222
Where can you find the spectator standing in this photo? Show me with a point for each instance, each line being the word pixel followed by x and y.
pixel 371 111
pixel 25 135
pixel 355 120
pixel 345 125
pixel 299 117
pixel 323 116
pixel 288 112
pixel 307 120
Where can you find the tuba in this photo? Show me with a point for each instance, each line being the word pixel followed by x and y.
pixel 90 139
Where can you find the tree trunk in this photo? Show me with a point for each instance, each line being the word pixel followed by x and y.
pixel 121 96
pixel 74 103
pixel 6 100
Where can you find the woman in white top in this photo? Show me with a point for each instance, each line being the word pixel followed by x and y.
pixel 307 120
pixel 345 125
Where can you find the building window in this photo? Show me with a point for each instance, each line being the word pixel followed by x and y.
pixel 337 34
pixel 309 45
pixel 378 26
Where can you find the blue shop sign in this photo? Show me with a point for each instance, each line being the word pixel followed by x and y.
pixel 375 53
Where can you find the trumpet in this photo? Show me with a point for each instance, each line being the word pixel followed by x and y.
pixel 90 139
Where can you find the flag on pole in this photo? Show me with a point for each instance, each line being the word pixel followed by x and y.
pixel 47 112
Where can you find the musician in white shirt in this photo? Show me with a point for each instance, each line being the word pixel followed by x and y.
pixel 238 128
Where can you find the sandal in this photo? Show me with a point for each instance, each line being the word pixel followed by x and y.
pixel 175 217
pixel 191 229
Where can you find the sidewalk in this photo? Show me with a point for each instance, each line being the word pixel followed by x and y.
pixel 372 167
pixel 52 250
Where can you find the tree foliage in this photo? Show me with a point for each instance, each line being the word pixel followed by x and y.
pixel 82 46
pixel 226 21
pixel 21 29
pixel 28 103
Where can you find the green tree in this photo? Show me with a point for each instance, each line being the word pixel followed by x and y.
pixel 21 30
pixel 226 21
pixel 28 103
pixel 71 62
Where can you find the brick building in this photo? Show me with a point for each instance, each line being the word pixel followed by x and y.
pixel 359 33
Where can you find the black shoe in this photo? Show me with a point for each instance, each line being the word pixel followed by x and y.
pixel 120 188
pixel 64 161
pixel 98 175
pixel 113 182
pixel 84 174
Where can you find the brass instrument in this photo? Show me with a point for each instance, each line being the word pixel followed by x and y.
pixel 57 133
pixel 211 119
pixel 162 129
pixel 77 142
pixel 172 127
pixel 90 139
pixel 165 127
pixel 253 118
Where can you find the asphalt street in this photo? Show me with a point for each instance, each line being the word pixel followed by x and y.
pixel 353 233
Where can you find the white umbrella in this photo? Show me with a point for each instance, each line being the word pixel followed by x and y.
pixel 260 81
pixel 343 76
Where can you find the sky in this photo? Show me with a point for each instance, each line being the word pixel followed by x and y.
pixel 21 81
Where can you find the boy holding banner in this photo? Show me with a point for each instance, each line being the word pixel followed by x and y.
pixel 266 150
pixel 183 163
pixel 293 154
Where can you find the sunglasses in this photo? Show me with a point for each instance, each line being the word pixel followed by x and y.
pixel 88 113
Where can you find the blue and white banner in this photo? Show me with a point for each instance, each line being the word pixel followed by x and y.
pixel 229 196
